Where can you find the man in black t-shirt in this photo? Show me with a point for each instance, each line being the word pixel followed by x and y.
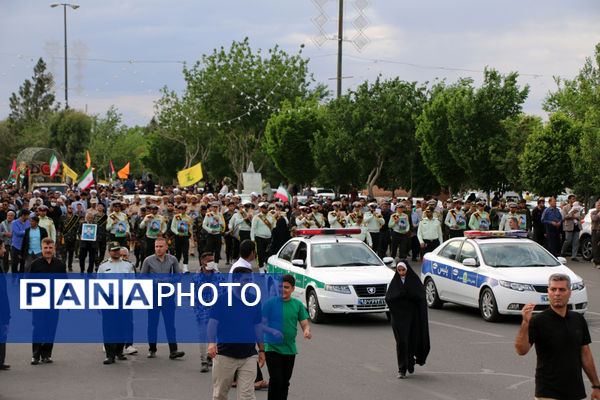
pixel 232 358
pixel 561 339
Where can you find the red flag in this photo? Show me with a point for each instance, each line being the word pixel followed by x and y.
pixel 112 171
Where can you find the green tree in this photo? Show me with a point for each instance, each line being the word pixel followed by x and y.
pixel 574 97
pixel 128 148
pixel 34 102
pixel 545 164
pixel 585 157
pixel 434 137
pixel 474 117
pixel 70 134
pixel 236 90
pixel 289 140
pixel 106 131
pixel 161 156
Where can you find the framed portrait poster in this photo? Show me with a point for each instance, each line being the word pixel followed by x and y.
pixel 88 232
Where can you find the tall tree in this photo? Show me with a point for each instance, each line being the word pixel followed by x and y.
pixel 289 140
pixel 161 156
pixel 236 90
pixel 434 137
pixel 475 117
pixel 70 134
pixel 545 164
pixel 585 157
pixel 34 102
pixel 574 97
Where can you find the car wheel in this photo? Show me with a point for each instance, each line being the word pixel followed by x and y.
pixel 488 306
pixel 586 248
pixel 314 311
pixel 431 294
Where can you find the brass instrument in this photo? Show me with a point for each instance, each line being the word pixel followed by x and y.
pixel 341 219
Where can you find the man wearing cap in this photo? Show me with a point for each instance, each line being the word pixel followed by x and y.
pixel 385 237
pixel 117 224
pixel 181 225
pixel 244 220
pixel 46 222
pixel 337 218
pixel 155 226
pixel 317 217
pixel 430 231
pixel 352 218
pixel 69 223
pixel 401 226
pixel 364 235
pixel 373 221
pixel 116 324
pixel 480 220
pixel 524 215
pixel 32 242
pixel 262 225
pixel 214 225
pixel 231 242
pixel 455 220
pixel 496 214
pixel 504 223
pixel 304 220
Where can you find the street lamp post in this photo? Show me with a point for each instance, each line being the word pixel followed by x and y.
pixel 74 7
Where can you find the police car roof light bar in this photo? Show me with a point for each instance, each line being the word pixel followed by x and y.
pixel 495 234
pixel 343 231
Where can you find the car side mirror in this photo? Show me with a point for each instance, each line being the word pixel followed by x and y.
pixel 388 261
pixel 562 260
pixel 298 263
pixel 469 262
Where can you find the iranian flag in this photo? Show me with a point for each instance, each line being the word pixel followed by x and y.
pixel 283 194
pixel 86 180
pixel 112 171
pixel 54 165
pixel 13 173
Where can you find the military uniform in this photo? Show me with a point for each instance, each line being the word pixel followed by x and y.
pixel 480 221
pixel 456 222
pixel 496 214
pixel 429 233
pixel 117 224
pixel 374 221
pixel 68 241
pixel 505 222
pixel 155 226
pixel 214 225
pixel 401 226
pixel 337 219
pixel 102 235
pixel 262 225
pixel 181 226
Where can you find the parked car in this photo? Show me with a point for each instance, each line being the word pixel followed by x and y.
pixel 585 237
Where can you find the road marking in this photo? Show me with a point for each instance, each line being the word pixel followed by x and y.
pixel 465 329
pixel 526 378
pixel 593 313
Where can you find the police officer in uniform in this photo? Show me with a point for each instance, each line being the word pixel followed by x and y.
pixel 524 215
pixel 155 226
pixel 456 220
pixel 337 217
pixel 117 324
pixel 317 217
pixel 429 232
pixel 401 227
pixel 496 214
pixel 181 225
pixel 304 220
pixel 199 233
pixel 69 223
pixel 505 222
pixel 374 221
pixel 262 225
pixel 352 218
pixel 384 231
pixel 480 220
pixel 117 224
pixel 139 236
pixel 214 225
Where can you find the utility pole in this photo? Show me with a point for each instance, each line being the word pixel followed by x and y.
pixel 340 41
pixel 74 7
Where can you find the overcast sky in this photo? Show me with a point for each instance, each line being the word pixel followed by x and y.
pixel 121 52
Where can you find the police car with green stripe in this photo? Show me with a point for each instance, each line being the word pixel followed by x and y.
pixel 335 273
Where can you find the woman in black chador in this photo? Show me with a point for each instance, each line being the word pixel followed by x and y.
pixel 406 300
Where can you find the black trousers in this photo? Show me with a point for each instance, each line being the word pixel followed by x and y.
pixel 4 266
pixel 400 243
pixel 280 368
pixel 67 252
pixel 230 243
pixel 44 330
pixel 117 326
pixel 149 247
pixel 430 245
pixel 375 240
pixel 455 233
pixel 87 249
pixel 102 249
pixel 213 244
pixel 182 248
pixel 2 352
pixel 384 242
pixel 416 248
pixel 553 233
pixel 262 244
pixel 595 247
pixel 244 235
pixel 17 262
pixel 168 313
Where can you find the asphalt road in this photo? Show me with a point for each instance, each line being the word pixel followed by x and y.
pixel 349 357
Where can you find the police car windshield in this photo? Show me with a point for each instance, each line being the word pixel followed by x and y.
pixel 342 254
pixel 524 254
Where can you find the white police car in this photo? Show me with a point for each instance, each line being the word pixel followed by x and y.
pixel 334 272
pixel 498 272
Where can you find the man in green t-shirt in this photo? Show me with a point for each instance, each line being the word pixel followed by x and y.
pixel 281 356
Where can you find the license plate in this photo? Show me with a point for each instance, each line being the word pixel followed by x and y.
pixel 372 302
pixel 545 298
